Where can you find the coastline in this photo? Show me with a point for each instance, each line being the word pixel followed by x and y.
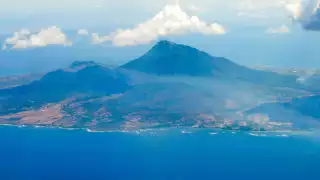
pixel 180 130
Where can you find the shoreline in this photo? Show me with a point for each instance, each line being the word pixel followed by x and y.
pixel 183 131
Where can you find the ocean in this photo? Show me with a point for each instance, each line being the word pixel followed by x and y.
pixel 56 154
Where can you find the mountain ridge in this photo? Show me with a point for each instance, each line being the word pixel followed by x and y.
pixel 168 58
pixel 60 85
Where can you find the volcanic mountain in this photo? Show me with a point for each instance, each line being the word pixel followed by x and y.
pixel 171 85
pixel 168 58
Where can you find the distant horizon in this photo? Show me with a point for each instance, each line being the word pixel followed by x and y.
pixel 31 62
pixel 66 62
pixel 278 33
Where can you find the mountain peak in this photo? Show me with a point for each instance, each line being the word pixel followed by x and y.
pixel 77 64
pixel 165 43
pixel 169 58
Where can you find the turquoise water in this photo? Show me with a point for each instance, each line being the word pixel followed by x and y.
pixel 49 154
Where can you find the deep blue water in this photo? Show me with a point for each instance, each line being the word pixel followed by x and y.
pixel 50 154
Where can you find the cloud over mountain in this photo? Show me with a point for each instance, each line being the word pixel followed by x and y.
pixel 47 36
pixel 172 20
pixel 307 12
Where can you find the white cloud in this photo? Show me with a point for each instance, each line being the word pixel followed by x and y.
pixel 96 39
pixel 278 30
pixel 170 21
pixel 83 32
pixel 25 39
pixel 307 12
pixel 24 32
pixel 302 9
pixel 295 10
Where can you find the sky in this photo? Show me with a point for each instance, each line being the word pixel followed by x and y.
pixel 102 12
pixel 282 33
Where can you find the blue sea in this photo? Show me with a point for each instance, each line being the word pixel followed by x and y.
pixel 56 154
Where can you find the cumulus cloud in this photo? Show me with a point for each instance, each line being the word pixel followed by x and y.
pixel 278 30
pixel 25 39
pixel 83 32
pixel 96 39
pixel 172 20
pixel 307 12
